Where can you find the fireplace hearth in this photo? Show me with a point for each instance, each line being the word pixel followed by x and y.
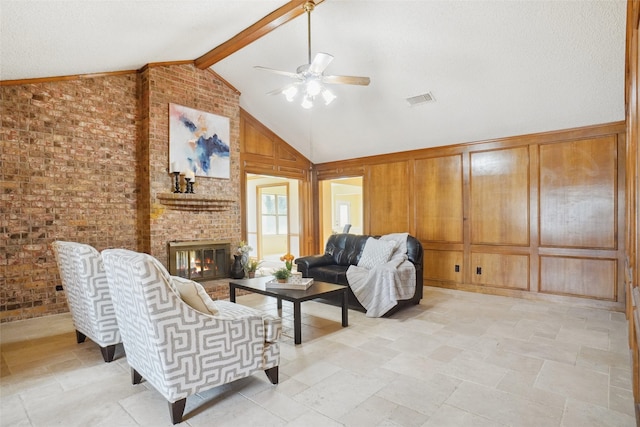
pixel 199 260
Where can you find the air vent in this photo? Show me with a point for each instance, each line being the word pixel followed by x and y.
pixel 420 99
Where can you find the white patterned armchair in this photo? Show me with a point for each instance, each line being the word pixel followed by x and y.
pixel 180 340
pixel 85 283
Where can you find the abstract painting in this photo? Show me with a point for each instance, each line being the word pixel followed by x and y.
pixel 198 142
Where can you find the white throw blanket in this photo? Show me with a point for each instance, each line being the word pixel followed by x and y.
pixel 380 288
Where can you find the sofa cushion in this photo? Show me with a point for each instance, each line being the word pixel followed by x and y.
pixel 330 273
pixel 376 252
pixel 345 249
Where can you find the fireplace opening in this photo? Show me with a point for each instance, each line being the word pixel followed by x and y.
pixel 200 260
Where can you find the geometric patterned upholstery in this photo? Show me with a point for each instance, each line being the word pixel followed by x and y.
pixel 181 351
pixel 87 290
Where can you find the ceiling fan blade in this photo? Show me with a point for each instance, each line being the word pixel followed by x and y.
pixel 346 80
pixel 282 89
pixel 320 62
pixel 277 91
pixel 283 73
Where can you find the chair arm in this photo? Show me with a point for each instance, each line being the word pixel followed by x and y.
pixel 272 324
pixel 308 262
pixel 226 310
pixel 215 350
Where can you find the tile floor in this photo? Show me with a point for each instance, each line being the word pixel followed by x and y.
pixel 457 359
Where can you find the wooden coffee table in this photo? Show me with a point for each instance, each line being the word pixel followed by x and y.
pixel 317 290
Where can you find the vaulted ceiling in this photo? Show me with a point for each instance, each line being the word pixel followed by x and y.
pixel 494 68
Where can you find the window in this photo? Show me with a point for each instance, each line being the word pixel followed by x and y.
pixel 274 214
pixel 343 216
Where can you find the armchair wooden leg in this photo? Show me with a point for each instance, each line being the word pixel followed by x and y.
pixel 177 409
pixel 108 352
pixel 272 374
pixel 80 337
pixel 135 377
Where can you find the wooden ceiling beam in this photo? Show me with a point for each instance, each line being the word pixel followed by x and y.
pixel 280 16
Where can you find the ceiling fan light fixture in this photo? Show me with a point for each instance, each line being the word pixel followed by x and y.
pixel 290 93
pixel 306 103
pixel 328 96
pixel 313 87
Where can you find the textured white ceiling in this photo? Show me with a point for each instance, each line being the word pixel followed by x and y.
pixel 66 37
pixel 495 68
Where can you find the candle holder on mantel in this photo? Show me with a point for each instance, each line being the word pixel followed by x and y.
pixel 176 188
pixel 189 188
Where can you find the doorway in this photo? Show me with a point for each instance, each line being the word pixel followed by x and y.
pixel 273 218
pixel 340 206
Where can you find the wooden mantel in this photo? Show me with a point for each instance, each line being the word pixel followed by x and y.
pixel 195 202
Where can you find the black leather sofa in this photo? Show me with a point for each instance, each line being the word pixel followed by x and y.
pixel 343 250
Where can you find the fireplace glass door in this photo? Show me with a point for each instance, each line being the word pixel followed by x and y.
pixel 199 260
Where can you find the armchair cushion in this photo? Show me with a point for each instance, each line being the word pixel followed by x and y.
pixel 193 293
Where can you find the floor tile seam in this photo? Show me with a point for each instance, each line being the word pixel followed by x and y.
pixel 580 400
pixel 546 393
pixel 24 408
pixel 251 399
pixel 587 367
pixel 616 412
pixel 527 400
pixel 609 391
pixel 611 376
pixel 564 411
pixel 420 410
pixel 470 381
pixel 489 420
pixel 624 354
pixel 130 415
pixel 38 379
pixel 386 414
pixel 304 414
pixel 546 344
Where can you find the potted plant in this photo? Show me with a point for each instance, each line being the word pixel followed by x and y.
pixel 288 260
pixel 282 274
pixel 251 266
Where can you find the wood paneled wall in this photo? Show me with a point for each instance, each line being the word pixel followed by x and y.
pixel 386 197
pixel 535 216
pixel 632 193
pixel 499 200
pixel 442 178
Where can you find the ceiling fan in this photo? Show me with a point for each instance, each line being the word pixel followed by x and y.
pixel 309 79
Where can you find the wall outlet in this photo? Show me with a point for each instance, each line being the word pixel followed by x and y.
pixel 59 288
pixel 456 268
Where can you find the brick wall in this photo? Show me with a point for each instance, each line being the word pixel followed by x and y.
pixel 83 160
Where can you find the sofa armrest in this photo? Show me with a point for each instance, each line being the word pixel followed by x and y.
pixel 308 262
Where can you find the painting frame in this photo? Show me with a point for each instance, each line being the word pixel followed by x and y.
pixel 199 143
